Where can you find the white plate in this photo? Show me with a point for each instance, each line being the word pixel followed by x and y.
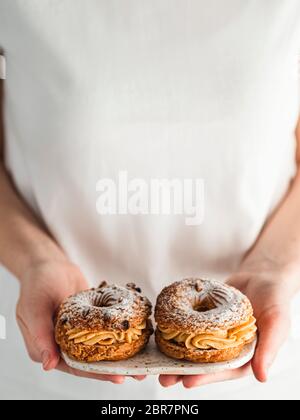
pixel 152 362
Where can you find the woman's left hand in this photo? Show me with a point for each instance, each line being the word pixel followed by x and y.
pixel 270 290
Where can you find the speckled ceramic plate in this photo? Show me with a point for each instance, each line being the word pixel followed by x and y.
pixel 152 362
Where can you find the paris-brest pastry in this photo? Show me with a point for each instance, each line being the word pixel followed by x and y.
pixel 203 321
pixel 107 323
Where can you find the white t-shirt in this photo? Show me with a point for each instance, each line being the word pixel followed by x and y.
pixel 159 90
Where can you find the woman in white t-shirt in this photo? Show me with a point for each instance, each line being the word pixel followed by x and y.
pixel 160 89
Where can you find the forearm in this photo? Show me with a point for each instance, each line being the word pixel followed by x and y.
pixel 279 243
pixel 23 240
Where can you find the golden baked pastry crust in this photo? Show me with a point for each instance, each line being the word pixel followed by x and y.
pixel 203 321
pixel 177 351
pixel 175 306
pixel 106 309
pixel 97 353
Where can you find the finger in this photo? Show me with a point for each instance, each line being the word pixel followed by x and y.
pixel 139 377
pixel 39 338
pixel 273 327
pixel 115 379
pixel 169 380
pixel 238 280
pixel 43 337
pixel 230 375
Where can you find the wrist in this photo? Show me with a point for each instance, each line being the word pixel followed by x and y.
pixel 279 271
pixel 58 278
pixel 40 256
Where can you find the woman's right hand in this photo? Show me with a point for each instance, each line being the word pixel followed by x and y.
pixel 43 287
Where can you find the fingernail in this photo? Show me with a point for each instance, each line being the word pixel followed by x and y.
pixel 45 359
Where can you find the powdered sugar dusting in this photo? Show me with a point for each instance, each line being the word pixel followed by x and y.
pixel 202 305
pixel 110 307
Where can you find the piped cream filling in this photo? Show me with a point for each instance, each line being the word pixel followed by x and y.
pixel 220 340
pixel 106 338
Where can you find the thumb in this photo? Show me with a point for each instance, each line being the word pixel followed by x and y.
pixel 273 327
pixel 38 334
pixel 43 338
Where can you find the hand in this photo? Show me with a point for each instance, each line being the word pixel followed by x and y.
pixel 43 287
pixel 270 289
